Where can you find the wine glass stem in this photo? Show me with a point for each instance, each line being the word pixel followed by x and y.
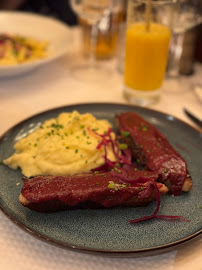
pixel 175 54
pixel 93 45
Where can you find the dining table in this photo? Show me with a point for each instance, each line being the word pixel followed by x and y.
pixel 54 85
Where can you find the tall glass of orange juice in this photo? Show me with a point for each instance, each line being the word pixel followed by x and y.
pixel 147 43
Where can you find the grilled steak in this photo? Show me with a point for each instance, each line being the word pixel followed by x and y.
pixel 151 148
pixel 54 193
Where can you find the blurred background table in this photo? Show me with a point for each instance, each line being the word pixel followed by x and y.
pixel 52 86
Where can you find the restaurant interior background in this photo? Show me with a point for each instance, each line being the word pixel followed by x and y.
pixel 62 10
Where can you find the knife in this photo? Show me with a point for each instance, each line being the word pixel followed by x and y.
pixel 193 118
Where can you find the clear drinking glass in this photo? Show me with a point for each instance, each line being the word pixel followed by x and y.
pixel 147 42
pixel 186 15
pixel 96 13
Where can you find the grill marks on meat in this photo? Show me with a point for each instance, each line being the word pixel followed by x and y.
pixel 151 148
pixel 54 193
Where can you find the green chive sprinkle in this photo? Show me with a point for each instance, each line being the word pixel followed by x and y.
pixel 123 146
pixel 125 134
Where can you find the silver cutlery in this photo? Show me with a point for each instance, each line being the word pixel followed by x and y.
pixel 193 118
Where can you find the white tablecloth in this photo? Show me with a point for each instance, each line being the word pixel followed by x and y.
pixel 56 85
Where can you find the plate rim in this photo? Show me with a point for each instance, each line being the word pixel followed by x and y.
pixel 97 251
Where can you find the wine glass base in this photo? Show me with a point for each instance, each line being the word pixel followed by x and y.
pixel 90 74
pixel 141 97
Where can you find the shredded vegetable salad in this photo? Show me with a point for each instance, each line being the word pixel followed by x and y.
pixel 16 49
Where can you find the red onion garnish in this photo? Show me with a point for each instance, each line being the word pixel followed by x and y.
pixel 124 157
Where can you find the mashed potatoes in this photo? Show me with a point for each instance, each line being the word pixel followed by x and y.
pixel 66 145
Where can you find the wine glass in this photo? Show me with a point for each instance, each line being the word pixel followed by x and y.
pixel 97 14
pixel 187 14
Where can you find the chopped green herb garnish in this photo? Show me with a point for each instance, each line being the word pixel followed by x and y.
pixel 67 147
pixel 140 188
pixel 57 126
pixel 95 129
pixel 117 165
pixel 76 150
pixel 115 186
pixel 82 126
pixel 123 146
pixel 95 172
pixel 125 134
pixel 111 184
pixel 115 169
pixel 145 129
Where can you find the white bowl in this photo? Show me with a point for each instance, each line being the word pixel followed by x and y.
pixel 43 28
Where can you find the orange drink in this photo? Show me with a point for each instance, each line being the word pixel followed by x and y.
pixel 146 56
pixel 147 44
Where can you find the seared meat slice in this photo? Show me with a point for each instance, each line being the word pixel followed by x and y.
pixel 55 193
pixel 150 147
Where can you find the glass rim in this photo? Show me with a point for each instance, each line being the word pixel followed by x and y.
pixel 156 2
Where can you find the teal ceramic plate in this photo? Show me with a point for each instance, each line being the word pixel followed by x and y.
pixel 108 231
